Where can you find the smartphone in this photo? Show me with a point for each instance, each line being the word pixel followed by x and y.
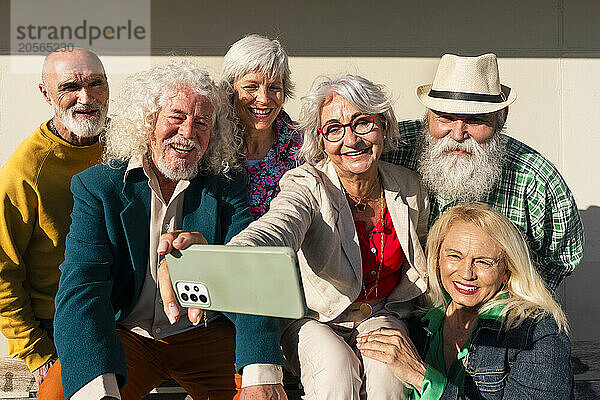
pixel 247 280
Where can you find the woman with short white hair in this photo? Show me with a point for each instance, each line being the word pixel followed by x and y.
pixel 356 223
pixel 493 330
pixel 256 75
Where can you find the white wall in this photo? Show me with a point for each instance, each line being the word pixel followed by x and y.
pixel 549 53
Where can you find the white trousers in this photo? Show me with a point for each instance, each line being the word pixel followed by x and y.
pixel 330 366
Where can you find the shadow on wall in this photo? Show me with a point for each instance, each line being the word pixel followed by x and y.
pixel 581 294
pixel 386 28
pixel 511 28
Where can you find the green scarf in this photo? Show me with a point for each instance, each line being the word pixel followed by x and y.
pixel 435 379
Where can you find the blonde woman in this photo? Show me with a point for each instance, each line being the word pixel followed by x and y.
pixel 493 330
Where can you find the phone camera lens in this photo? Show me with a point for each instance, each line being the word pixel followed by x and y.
pixel 187 288
pixel 184 297
pixel 203 298
pixel 194 297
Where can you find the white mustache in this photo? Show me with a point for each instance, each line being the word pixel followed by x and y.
pixel 91 107
pixel 182 141
pixel 447 144
pixel 461 177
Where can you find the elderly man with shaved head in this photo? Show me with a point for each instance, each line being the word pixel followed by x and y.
pixel 36 202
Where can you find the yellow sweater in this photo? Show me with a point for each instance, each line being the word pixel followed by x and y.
pixel 35 208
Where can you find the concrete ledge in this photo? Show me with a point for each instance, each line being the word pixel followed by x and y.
pixel 16 382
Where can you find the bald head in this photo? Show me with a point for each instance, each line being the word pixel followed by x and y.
pixel 77 59
pixel 74 84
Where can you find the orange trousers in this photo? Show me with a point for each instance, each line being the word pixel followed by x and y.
pixel 200 360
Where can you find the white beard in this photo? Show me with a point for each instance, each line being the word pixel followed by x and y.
pixel 85 127
pixel 462 177
pixel 177 169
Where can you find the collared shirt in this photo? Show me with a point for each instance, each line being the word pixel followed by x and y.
pixel 435 379
pixel 148 318
pixel 377 284
pixel 531 193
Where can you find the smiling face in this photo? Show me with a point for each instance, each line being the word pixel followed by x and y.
pixel 75 86
pixel 472 268
pixel 353 154
pixel 257 100
pixel 461 155
pixel 181 134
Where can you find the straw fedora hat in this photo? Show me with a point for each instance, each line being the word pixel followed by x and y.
pixel 466 85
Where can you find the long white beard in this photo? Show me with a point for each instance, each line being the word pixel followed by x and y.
pixel 176 169
pixel 462 177
pixel 84 127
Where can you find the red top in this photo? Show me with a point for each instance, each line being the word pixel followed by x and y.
pixel 370 250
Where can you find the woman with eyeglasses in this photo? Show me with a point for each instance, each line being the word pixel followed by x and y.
pixel 356 223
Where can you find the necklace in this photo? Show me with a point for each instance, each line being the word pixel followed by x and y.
pixel 360 203
pixel 365 307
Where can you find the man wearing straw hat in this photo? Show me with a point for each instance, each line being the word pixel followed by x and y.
pixel 463 156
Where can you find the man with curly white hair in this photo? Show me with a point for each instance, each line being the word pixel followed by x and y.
pixel 36 201
pixel 170 164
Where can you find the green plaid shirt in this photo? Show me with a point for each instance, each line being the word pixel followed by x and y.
pixel 531 193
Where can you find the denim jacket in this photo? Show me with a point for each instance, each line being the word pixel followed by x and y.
pixel 531 361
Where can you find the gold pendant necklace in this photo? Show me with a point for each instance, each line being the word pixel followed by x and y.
pixel 365 307
pixel 360 203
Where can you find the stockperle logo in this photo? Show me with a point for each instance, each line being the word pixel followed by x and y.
pixel 106 27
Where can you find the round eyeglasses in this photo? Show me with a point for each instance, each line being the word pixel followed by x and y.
pixel 360 125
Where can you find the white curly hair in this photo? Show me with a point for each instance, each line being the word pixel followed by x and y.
pixel 142 97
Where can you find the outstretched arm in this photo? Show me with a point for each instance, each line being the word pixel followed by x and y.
pixel 285 224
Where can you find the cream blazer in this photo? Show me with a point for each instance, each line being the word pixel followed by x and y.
pixel 312 216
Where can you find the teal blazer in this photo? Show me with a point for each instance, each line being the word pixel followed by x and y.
pixel 106 259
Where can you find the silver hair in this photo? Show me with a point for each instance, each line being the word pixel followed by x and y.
pixel 255 53
pixel 363 94
pixel 464 179
pixel 142 97
pixel 501 115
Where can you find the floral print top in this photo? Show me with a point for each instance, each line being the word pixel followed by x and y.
pixel 263 177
